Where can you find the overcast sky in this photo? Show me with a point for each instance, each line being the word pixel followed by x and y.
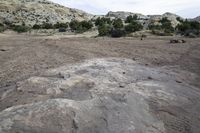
pixel 185 8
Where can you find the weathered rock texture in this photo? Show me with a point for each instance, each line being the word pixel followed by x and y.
pixel 33 12
pixel 102 96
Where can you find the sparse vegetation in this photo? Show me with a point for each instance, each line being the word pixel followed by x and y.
pixel 118 24
pixel 86 25
pixel 133 27
pixel 104 30
pixel 117 28
pixel 131 18
pixel 47 26
pixel 165 28
pixel 188 28
pixel 166 25
pixel 36 26
pixel 102 21
pixel 61 25
pixel 80 27
pixel 21 28
pixel 74 24
pixel 117 32
pixel 2 28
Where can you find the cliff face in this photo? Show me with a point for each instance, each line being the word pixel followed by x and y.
pixel 38 11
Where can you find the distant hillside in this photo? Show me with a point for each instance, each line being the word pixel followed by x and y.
pixel 196 19
pixel 124 15
pixel 30 12
pixel 33 12
pixel 145 18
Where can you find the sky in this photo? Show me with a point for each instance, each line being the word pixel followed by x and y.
pixel 184 8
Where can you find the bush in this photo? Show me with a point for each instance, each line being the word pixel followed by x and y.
pixel 131 18
pixel 164 29
pixel 47 26
pixel 86 24
pixel 118 23
pixel 166 25
pixel 133 26
pixel 102 21
pixel 186 28
pixel 104 30
pixel 2 28
pixel 20 28
pixel 179 19
pixel 74 24
pixel 80 26
pixel 154 27
pixel 36 26
pixel 60 25
pixel 117 33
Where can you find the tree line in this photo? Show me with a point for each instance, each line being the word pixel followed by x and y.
pixel 116 27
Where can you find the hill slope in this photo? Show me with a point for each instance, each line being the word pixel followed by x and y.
pixel 38 11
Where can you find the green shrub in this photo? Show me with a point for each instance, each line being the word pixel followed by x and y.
pixel 74 24
pixel 20 28
pixel 102 21
pixel 36 26
pixel 179 19
pixel 133 27
pixel 47 26
pixel 118 23
pixel 60 25
pixel 131 18
pixel 164 29
pixel 166 25
pixel 104 30
pixel 2 27
pixel 86 24
pixel 186 28
pixel 117 33
pixel 80 27
pixel 154 27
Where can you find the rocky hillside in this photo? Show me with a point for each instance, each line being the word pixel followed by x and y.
pixel 38 11
pixel 124 15
pixel 145 18
pixel 196 19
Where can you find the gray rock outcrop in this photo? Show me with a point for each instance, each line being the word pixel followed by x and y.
pixel 102 96
pixel 33 12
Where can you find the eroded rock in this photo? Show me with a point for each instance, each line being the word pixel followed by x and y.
pixel 102 95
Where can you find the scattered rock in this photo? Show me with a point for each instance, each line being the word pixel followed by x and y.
pixel 177 41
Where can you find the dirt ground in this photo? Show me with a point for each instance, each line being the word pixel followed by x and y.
pixel 22 56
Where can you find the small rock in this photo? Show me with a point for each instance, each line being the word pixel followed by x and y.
pixel 3 50
pixel 150 78
pixel 64 76
pixel 122 85
pixel 177 81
